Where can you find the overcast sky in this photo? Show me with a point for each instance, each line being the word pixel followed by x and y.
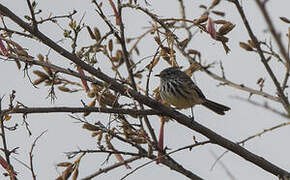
pixel 242 121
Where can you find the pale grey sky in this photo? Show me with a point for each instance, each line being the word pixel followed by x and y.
pixel 242 121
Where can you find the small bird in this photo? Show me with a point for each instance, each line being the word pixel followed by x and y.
pixel 177 88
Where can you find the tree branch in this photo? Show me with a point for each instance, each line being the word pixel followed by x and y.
pixel 180 118
pixel 79 110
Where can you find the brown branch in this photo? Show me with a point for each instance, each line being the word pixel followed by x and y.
pixel 281 94
pixel 16 32
pixel 4 142
pixel 109 168
pixel 162 156
pixel 273 31
pixel 34 23
pixel 38 110
pixel 179 117
pixel 57 17
pixel 265 105
pixel 31 155
pixel 127 61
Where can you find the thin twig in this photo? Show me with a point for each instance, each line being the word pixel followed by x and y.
pixel 281 94
pixel 31 154
pixel 163 155
pixel 109 168
pixel 38 110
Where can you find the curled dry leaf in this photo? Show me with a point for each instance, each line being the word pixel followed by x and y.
pixel 97 33
pixel 38 81
pixel 41 74
pixel 246 46
pixel 214 4
pixel 226 28
pixel 251 43
pixel 110 45
pixel 90 32
pixel 64 164
pixel 203 18
pixel 219 13
pixel 221 21
pixel 64 89
pixel 75 174
pixel 46 69
pixel 202 6
pixel 90 127
pixel 286 20
pixel 67 172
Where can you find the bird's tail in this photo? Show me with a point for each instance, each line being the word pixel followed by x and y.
pixel 216 107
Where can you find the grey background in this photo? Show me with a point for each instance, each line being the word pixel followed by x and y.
pixel 242 121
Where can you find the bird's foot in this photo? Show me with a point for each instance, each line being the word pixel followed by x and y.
pixel 192 119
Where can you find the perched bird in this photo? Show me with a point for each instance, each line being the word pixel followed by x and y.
pixel 176 88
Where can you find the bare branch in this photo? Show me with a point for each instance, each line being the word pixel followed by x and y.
pixel 31 155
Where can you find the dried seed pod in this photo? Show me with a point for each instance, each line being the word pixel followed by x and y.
pixel 214 4
pixel 90 32
pixel 110 45
pixel 219 13
pixel 222 39
pixel 66 174
pixel 246 46
pixel 90 127
pixel 251 43
pixel 286 20
pixel 203 18
pixel 64 89
pixel 97 33
pixel 100 137
pixel 64 164
pixel 75 174
pixel 226 28
pixel 220 22
pixel 138 75
pixel 41 74
pixel 38 81
pixel 202 6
